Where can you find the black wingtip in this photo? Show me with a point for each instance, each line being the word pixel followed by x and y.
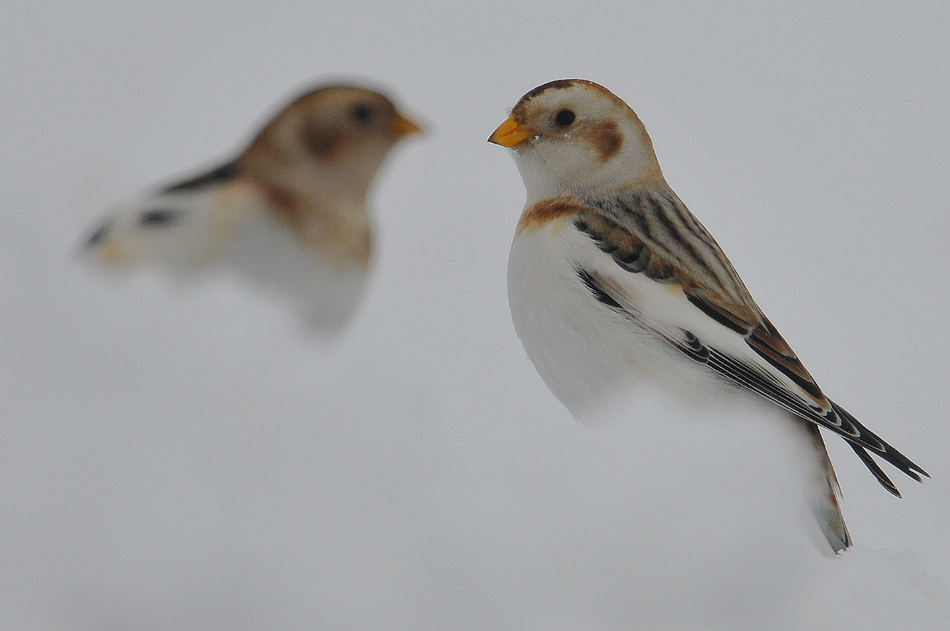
pixel 220 175
pixel 875 469
pixel 917 469
pixel 869 440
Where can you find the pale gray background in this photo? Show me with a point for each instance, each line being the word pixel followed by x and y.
pixel 182 458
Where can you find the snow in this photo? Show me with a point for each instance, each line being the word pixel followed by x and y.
pixel 186 458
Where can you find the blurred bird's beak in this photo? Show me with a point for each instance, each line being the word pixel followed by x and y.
pixel 510 133
pixel 402 126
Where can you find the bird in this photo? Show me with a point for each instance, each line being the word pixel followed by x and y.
pixel 289 212
pixel 613 281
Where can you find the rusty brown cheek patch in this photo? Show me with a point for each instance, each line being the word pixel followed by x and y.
pixel 320 141
pixel 548 210
pixel 607 139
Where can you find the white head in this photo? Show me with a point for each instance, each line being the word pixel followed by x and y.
pixel 575 136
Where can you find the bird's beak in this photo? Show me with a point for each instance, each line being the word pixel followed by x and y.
pixel 510 133
pixel 402 126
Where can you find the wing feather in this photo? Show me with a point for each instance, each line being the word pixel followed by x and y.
pixel 654 234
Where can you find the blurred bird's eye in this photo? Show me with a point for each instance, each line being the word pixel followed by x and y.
pixel 564 118
pixel 362 114
pixel 158 217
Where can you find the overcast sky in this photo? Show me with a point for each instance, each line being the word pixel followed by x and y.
pixel 182 457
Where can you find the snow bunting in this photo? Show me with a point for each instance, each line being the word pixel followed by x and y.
pixel 289 211
pixel 611 279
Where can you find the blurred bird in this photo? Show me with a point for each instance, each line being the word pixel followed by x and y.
pixel 289 211
pixel 611 279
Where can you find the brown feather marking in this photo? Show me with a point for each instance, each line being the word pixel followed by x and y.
pixel 321 140
pixel 341 242
pixel 632 253
pixel 548 210
pixel 607 139
pixel 285 204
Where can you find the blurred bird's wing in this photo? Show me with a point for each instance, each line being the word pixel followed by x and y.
pixel 183 227
pixel 222 219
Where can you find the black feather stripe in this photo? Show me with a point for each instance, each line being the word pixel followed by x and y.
pixel 694 348
pixel 597 291
pixel 853 427
pixel 220 175
pixel 711 258
pixel 158 217
pixel 781 363
pixel 875 469
pixel 682 236
pixel 717 314
pixel 885 451
pixel 635 212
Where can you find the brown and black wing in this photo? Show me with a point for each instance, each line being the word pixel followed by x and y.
pixel 654 234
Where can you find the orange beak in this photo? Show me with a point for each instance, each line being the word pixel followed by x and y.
pixel 402 126
pixel 510 133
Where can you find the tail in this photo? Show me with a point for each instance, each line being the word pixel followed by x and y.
pixel 822 490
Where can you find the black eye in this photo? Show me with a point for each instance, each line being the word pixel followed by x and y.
pixel 362 114
pixel 564 118
pixel 159 217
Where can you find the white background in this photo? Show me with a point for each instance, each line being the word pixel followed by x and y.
pixel 183 458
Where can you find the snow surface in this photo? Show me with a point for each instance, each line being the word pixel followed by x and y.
pixel 184 458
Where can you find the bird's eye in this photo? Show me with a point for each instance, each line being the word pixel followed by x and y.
pixel 362 114
pixel 564 118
